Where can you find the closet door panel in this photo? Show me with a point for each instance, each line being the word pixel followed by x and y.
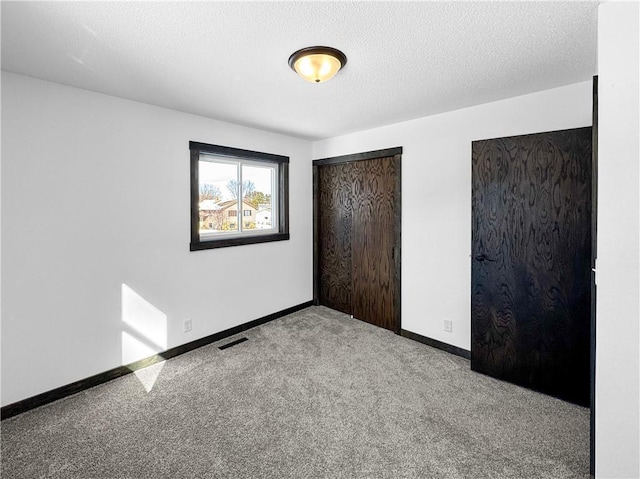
pixel 334 236
pixel 373 240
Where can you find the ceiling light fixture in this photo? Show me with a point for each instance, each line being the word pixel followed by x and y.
pixel 317 64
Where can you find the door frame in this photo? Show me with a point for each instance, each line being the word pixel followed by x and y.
pixel 395 152
pixel 594 292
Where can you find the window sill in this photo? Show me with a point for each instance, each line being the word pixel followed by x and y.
pixel 237 241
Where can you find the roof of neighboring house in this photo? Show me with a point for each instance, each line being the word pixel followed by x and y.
pixel 209 205
pixel 223 205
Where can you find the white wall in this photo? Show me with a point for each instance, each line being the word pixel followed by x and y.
pixel 618 269
pixel 95 194
pixel 436 195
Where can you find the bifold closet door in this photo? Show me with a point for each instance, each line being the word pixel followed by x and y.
pixel 372 241
pixel 358 221
pixel 531 261
pixel 335 185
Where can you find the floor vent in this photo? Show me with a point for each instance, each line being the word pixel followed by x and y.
pixel 233 343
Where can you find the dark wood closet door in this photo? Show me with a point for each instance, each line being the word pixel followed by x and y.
pixel 373 240
pixel 357 235
pixel 531 261
pixel 335 185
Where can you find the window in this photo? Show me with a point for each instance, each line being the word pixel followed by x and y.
pixel 226 181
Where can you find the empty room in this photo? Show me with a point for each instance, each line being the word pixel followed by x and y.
pixel 320 239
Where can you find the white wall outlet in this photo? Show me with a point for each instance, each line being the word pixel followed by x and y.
pixel 187 325
pixel 448 325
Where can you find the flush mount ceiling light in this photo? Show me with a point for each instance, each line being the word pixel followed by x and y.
pixel 317 64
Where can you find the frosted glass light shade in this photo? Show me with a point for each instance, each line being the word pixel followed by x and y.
pixel 317 64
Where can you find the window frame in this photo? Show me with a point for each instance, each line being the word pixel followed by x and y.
pixel 282 190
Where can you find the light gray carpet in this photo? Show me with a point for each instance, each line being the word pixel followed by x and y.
pixel 311 395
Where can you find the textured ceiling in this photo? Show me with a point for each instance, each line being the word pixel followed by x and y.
pixel 228 60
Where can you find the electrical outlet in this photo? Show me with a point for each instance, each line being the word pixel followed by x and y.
pixel 448 325
pixel 187 325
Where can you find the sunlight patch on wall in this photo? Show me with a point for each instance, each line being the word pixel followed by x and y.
pixel 144 334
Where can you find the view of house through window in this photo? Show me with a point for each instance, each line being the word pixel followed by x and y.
pixel 236 196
